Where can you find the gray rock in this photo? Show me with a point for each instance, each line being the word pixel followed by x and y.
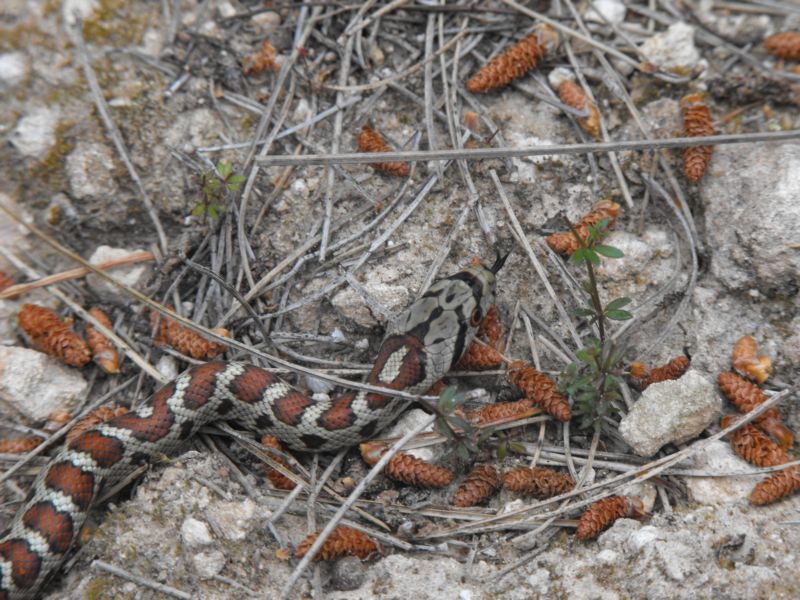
pixel 208 564
pixel 195 533
pixel 33 385
pixel 132 275
pixel 35 133
pixel 673 48
pixel 13 69
pixel 89 168
pixel 348 574
pixel 612 11
pixel 752 218
pixel 719 458
pixel 235 519
pixel 670 411
pixel 389 297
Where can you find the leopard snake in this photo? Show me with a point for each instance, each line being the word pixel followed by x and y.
pixel 420 346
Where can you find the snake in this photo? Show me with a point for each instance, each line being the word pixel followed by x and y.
pixel 420 346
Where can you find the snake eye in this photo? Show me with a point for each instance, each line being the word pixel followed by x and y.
pixel 476 317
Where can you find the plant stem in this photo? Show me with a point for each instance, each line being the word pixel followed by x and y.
pixel 598 306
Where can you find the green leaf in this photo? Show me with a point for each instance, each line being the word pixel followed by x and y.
pixel 608 251
pixel 586 355
pixel 578 256
pixel 618 315
pixel 459 423
pixel 618 303
pixel 584 312
pixel 592 257
pixel 199 210
pixel 502 450
pixel 462 452
pixel 224 169
pixel 446 399
pixel 516 447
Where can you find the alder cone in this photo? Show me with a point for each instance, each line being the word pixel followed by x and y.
pixel 185 340
pixel 538 482
pixel 785 44
pixel 776 486
pixel 502 411
pixel 477 487
pixel 696 122
pixel 572 95
pixel 564 242
pixel 370 140
pixel 20 445
pixel 276 478
pixel 754 446
pixel 411 470
pixel 479 357
pixel 103 351
pixel 602 514
pixel 746 362
pixel 744 395
pixel 515 61
pixel 101 414
pixel 263 60
pixel 343 541
pixel 5 281
pixel 674 369
pixel 51 335
pixel 782 434
pixel 540 388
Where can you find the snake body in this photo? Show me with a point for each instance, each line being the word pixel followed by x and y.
pixel 422 344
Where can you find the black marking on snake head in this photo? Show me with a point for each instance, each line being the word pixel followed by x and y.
pixel 264 422
pixel 224 407
pixel 312 442
pixel 186 430
pixel 460 343
pixel 368 430
pixel 139 458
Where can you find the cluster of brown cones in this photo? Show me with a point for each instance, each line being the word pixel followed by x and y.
pixel 49 334
pixel 765 442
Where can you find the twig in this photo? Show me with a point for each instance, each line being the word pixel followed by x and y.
pixel 543 150
pixel 153 585
pixel 23 288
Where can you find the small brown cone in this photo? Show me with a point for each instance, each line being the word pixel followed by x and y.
pixel 572 95
pixel 540 388
pixel 370 140
pixel 674 369
pixel 564 243
pixel 696 122
pixel 746 362
pixel 754 446
pixel 477 487
pixel 776 486
pixel 514 62
pixel 185 340
pixel 19 445
pixel 602 514
pixel 743 394
pixel 103 351
pixel 343 541
pixel 101 414
pixel 482 356
pixel 263 60
pixel 785 44
pixel 411 470
pixel 502 411
pixel 538 482
pixel 278 479
pixel 782 434
pixel 51 335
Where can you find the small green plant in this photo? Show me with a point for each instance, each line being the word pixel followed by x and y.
pixel 215 185
pixel 592 380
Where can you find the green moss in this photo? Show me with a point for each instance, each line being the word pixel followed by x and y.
pixel 116 22
pixel 98 589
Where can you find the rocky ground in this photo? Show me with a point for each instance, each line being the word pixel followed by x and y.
pixel 703 264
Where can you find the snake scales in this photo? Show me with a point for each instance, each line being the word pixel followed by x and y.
pixel 422 344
